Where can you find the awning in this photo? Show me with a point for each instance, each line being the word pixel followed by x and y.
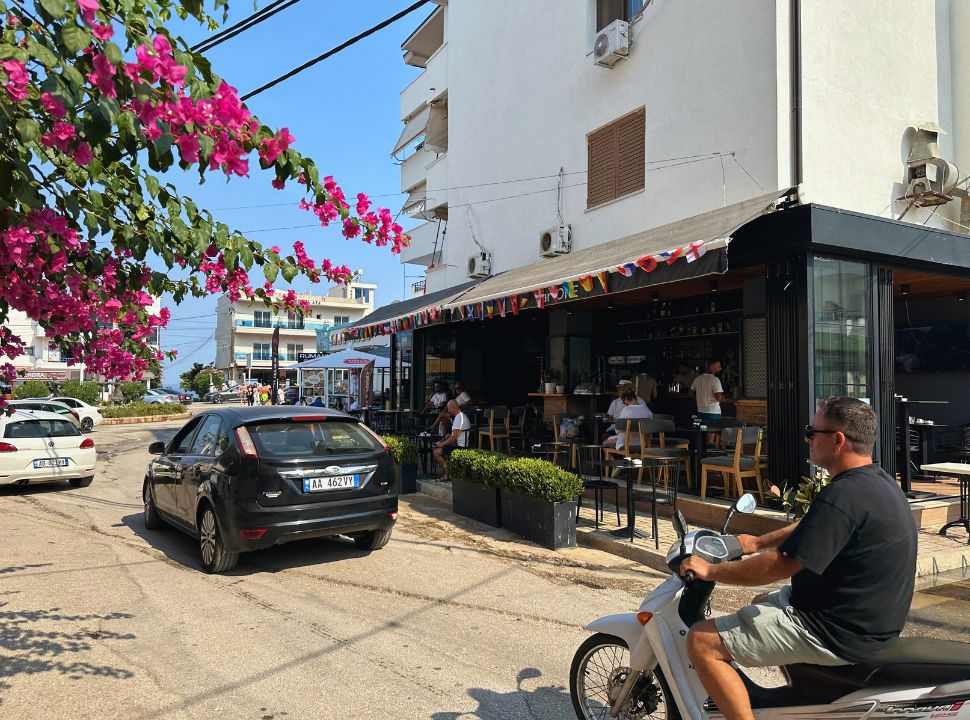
pixel 415 201
pixel 425 308
pixel 436 136
pixel 347 359
pixel 413 126
pixel 649 254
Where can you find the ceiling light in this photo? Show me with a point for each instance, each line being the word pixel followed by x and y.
pixel 904 289
pixel 713 286
pixel 655 296
pixel 961 295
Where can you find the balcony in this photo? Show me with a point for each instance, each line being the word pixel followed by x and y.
pixel 284 326
pixel 417 288
pixel 437 174
pixel 262 357
pixel 414 169
pixel 426 39
pixel 426 86
pixel 422 246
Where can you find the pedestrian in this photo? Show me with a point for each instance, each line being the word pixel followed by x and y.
pixel 264 395
pixel 707 391
pixel 279 396
pixel 250 394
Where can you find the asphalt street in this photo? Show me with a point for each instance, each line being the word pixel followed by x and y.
pixel 101 618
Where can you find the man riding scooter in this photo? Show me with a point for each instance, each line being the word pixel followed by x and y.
pixel 851 560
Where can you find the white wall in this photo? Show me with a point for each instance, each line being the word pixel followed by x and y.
pixel 870 69
pixel 524 92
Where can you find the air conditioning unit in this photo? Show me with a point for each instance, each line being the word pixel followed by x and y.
pixel 555 241
pixel 612 44
pixel 480 265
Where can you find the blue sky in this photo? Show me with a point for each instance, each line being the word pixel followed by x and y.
pixel 344 113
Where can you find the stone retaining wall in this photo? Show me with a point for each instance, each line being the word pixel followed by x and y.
pixel 145 419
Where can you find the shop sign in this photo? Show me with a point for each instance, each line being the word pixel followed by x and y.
pixel 313 378
pixel 356 361
pixel 616 360
pixel 44 374
pixel 635 359
pixel 304 356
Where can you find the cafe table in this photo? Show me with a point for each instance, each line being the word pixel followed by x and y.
pixel 697 446
pixel 629 468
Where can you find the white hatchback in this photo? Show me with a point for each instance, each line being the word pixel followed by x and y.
pixel 88 414
pixel 37 446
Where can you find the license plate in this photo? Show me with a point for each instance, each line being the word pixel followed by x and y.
pixel 50 462
pixel 336 482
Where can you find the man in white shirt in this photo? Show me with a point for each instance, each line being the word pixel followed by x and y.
pixel 461 396
pixel 458 438
pixel 707 391
pixel 354 403
pixel 617 405
pixel 632 410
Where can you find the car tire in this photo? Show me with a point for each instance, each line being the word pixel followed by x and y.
pixel 81 482
pixel 153 521
pixel 87 424
pixel 216 558
pixel 217 399
pixel 373 539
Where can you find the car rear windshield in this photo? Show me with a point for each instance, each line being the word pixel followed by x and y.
pixel 313 437
pixel 40 429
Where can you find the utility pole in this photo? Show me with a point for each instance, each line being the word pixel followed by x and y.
pixel 232 346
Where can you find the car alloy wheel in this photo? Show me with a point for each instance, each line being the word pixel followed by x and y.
pixel 215 557
pixel 87 424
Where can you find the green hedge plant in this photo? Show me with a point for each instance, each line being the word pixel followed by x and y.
pixel 89 392
pixel 132 391
pixel 142 409
pixel 403 450
pixel 525 476
pixel 31 389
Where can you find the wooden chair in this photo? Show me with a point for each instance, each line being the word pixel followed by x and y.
pixel 497 429
pixel 658 428
pixel 737 465
pixel 672 442
pixel 517 422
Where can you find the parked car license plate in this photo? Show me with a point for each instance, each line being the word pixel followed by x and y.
pixel 337 482
pixel 50 462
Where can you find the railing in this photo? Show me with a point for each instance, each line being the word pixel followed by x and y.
pixel 418 287
pixel 268 356
pixel 285 325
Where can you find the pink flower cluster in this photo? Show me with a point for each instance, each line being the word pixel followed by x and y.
pixel 63 136
pixel 378 228
pixel 17 79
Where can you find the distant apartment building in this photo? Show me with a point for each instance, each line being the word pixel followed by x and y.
pixel 44 361
pixel 244 331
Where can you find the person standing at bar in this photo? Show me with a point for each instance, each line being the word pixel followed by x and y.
pixel 645 386
pixel 708 392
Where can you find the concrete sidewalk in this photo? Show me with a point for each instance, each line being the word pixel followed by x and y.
pixel 937 554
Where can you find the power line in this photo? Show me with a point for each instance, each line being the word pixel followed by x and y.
pixel 380 26
pixel 252 21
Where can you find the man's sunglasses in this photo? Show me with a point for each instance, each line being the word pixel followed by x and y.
pixel 809 431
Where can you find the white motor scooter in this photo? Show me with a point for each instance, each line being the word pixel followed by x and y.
pixel 635 666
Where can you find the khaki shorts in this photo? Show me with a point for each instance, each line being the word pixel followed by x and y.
pixel 771 634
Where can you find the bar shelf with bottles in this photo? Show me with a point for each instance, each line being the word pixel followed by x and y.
pixel 685 320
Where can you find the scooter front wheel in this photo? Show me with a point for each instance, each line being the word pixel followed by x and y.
pixel 600 667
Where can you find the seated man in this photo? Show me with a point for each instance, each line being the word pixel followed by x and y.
pixel 457 439
pixel 632 410
pixel 617 405
pixel 851 560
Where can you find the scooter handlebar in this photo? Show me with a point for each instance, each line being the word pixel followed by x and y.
pixel 690 576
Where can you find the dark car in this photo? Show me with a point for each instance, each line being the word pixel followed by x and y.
pixel 183 396
pixel 246 478
pixel 291 395
pixel 219 396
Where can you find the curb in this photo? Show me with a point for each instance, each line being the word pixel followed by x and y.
pixel 144 419
pixel 598 540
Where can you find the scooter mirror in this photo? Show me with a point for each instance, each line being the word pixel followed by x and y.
pixel 680 524
pixel 746 504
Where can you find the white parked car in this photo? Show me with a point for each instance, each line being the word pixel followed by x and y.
pixel 37 446
pixel 153 396
pixel 89 414
pixel 45 405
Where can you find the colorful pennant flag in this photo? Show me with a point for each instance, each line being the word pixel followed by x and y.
pixel 647 264
pixel 626 270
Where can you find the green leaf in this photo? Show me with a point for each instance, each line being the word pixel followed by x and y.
pixel 289 272
pixel 44 56
pixel 142 213
pixel 55 8
pixel 28 130
pixel 113 53
pixel 271 270
pixel 75 38
pixel 153 185
pixel 246 256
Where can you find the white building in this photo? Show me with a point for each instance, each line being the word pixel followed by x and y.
pixel 512 127
pixel 42 359
pixel 244 330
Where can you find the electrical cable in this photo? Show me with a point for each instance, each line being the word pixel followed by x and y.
pixel 380 26
pixel 250 22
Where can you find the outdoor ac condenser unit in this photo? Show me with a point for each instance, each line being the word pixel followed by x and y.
pixel 612 44
pixel 480 265
pixel 555 241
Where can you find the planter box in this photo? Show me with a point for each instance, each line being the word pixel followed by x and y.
pixel 476 502
pixel 406 477
pixel 552 525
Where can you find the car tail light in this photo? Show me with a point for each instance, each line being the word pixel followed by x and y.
pixel 7 447
pixel 246 445
pixel 87 444
pixel 393 515
pixel 311 418
pixel 252 534
pixel 76 416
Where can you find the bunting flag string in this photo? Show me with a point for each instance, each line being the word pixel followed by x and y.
pixel 570 289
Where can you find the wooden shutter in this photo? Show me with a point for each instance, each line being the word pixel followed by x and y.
pixel 616 158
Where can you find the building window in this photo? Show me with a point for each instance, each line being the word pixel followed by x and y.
pixel 341 319
pixel 53 353
pixel 616 159
pixel 262 351
pixel 153 338
pixel 261 318
pixel 842 328
pixel 294 320
pixel 293 350
pixel 362 294
pixel 29 351
pixel 609 10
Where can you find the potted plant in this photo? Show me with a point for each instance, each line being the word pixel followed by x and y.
pixel 550 378
pixel 539 501
pixel 474 490
pixel 405 454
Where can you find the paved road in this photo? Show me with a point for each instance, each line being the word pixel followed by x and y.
pixel 100 618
